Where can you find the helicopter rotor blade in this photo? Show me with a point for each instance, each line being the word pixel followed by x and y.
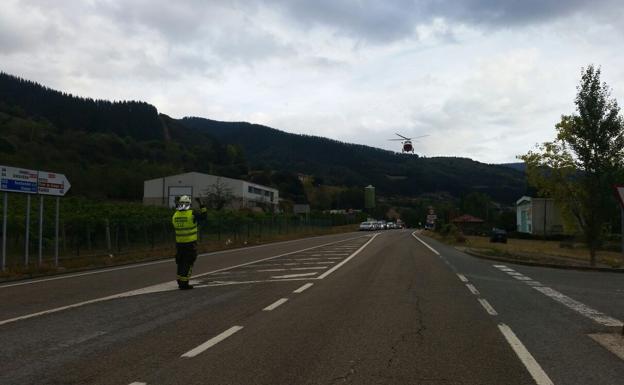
pixel 402 136
pixel 421 136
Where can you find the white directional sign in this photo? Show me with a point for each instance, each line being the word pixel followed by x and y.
pixel 620 194
pixel 13 179
pixel 51 183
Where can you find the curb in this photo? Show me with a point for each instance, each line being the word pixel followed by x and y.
pixel 542 264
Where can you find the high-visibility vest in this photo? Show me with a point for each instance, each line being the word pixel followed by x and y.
pixel 185 227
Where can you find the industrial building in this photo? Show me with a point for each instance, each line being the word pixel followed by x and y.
pixel 163 191
pixel 539 216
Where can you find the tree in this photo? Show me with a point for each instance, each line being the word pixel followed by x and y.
pixel 217 195
pixel 578 168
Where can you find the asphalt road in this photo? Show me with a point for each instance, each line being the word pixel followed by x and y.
pixel 359 308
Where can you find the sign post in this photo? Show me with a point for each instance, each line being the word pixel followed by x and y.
pixel 54 184
pixel 20 180
pixel 4 228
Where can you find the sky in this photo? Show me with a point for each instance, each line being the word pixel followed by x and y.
pixel 484 79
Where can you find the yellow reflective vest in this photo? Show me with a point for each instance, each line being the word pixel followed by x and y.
pixel 185 226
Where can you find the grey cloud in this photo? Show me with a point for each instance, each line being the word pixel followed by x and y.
pixel 383 21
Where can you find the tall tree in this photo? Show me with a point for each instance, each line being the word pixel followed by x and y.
pixel 578 168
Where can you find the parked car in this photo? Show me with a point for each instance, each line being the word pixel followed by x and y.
pixel 498 235
pixel 367 226
pixel 391 225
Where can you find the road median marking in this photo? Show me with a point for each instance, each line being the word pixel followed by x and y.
pixel 328 272
pixel 425 243
pixel 462 277
pixel 275 304
pixel 612 342
pixel 534 368
pixel 211 342
pixel 165 286
pixel 570 303
pixel 303 288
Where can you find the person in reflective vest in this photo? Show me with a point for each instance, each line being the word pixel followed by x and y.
pixel 185 222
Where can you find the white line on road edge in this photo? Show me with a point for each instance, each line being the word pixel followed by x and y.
pixel 211 342
pixel 424 243
pixel 166 286
pixel 536 371
pixel 139 383
pixel 486 305
pixel 275 304
pixel 303 288
pixel 472 289
pixel 328 272
pixel 462 277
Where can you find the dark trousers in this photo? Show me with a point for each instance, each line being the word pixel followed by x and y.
pixel 186 254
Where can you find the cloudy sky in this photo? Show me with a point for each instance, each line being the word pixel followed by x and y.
pixel 485 79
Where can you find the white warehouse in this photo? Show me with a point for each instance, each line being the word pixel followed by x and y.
pixel 163 191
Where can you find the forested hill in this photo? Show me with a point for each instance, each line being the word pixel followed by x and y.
pixel 107 149
pixel 339 163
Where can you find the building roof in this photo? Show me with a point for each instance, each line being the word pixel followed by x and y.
pixel 466 218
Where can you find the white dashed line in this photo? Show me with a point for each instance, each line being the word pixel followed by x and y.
pixel 472 289
pixel 536 371
pixel 303 288
pixel 275 304
pixel 462 278
pixel 486 305
pixel 211 342
pixel 139 383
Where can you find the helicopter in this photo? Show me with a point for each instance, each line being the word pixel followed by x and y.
pixel 407 142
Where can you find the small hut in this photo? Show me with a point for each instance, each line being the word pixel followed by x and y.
pixel 468 224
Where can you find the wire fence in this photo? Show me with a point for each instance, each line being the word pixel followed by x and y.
pixel 84 238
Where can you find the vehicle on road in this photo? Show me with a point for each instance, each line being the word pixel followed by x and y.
pixel 367 226
pixel 498 235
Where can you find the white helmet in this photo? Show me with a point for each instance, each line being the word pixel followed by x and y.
pixel 184 203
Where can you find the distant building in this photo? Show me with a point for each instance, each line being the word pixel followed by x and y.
pixel 539 216
pixel 163 191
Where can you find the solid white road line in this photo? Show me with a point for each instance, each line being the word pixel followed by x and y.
pixel 472 289
pixel 211 342
pixel 303 288
pixel 486 305
pixel 265 270
pixel 462 278
pixel 309 268
pixel 579 307
pixel 294 275
pixel 424 243
pixel 275 304
pixel 328 272
pixel 139 383
pixel 536 371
